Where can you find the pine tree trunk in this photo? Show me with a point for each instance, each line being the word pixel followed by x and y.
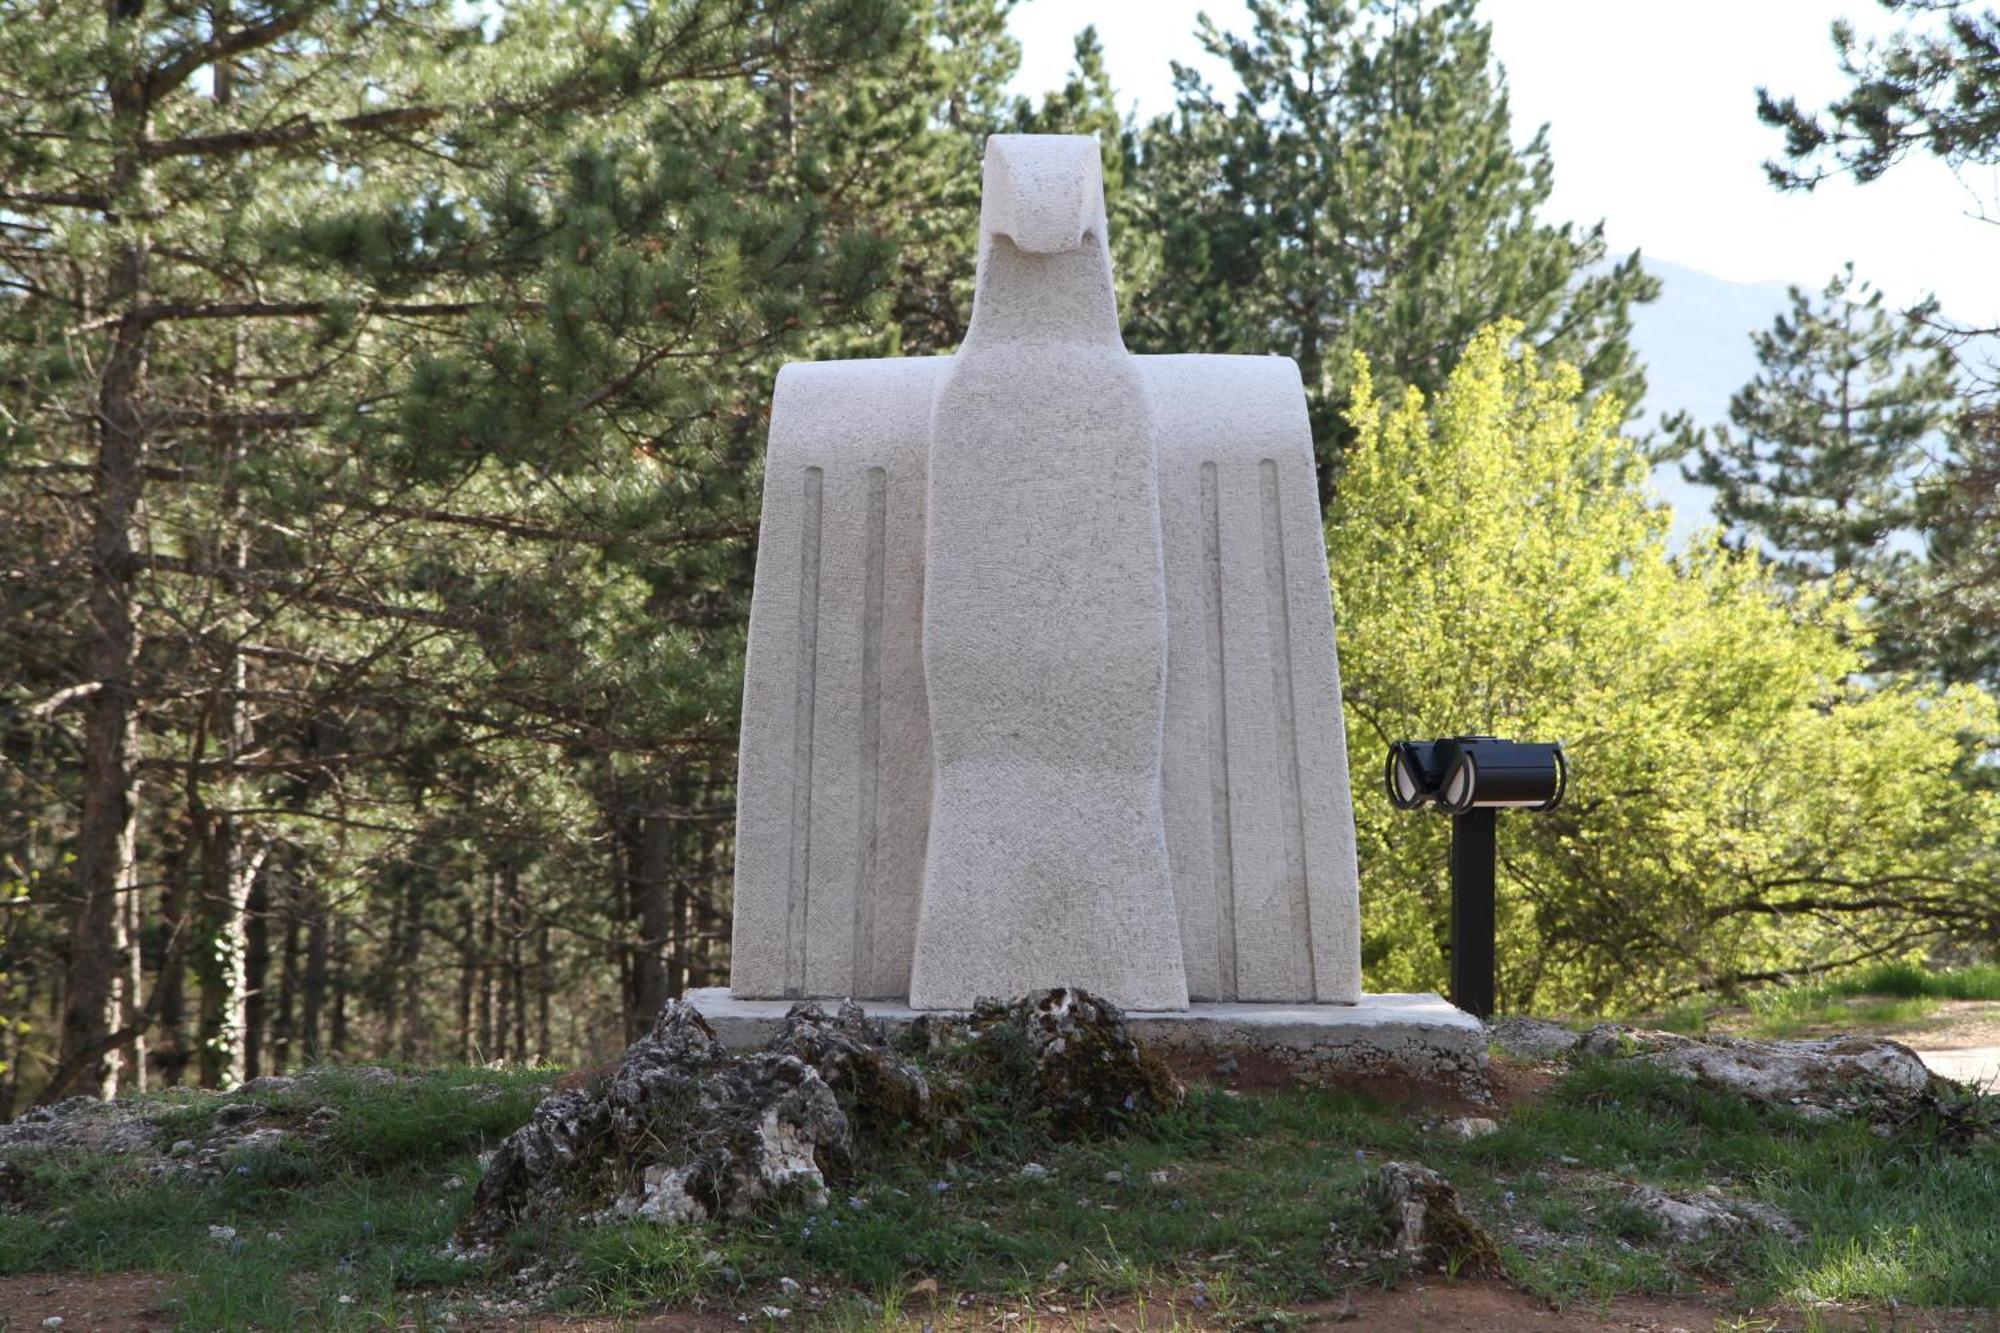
pixel 415 1036
pixel 256 967
pixel 468 977
pixel 652 910
pixel 284 1028
pixel 132 978
pixel 229 875
pixel 337 1038
pixel 312 985
pixel 545 984
pixel 171 1054
pixel 89 1025
pixel 489 930
pixel 517 931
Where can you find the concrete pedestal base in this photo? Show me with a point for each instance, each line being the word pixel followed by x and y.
pixel 1399 1037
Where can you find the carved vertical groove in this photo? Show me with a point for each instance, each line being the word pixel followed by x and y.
pixel 1218 734
pixel 1279 621
pixel 797 908
pixel 862 980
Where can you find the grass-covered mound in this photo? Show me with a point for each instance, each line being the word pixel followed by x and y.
pixel 1236 1205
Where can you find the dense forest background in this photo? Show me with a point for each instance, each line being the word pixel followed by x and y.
pixel 382 389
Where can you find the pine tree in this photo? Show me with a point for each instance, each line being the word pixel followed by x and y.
pixel 1363 193
pixel 1932 89
pixel 1831 438
pixel 300 295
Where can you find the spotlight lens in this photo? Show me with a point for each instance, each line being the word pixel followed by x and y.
pixel 1458 785
pixel 1406 782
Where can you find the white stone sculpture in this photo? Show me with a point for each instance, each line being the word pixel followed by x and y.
pixel 1041 686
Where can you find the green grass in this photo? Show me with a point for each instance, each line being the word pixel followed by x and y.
pixel 362 1213
pixel 1266 1198
pixel 1885 995
pixel 1911 981
pixel 1262 1200
pixel 1793 1011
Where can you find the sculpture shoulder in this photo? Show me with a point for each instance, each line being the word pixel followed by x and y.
pixel 1210 402
pixel 842 405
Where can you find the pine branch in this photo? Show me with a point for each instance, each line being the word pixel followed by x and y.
pixel 169 75
pixel 297 132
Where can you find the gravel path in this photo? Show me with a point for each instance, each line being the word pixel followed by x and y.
pixel 1960 1041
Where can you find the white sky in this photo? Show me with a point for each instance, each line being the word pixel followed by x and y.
pixel 1652 122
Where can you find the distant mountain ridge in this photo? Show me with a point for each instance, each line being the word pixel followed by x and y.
pixel 1695 344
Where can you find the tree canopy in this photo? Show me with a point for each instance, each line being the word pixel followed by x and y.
pixel 1362 192
pixel 1931 88
pixel 383 387
pixel 1739 808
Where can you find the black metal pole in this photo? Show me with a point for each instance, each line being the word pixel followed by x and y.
pixel 1473 852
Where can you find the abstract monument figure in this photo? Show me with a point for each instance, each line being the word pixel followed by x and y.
pixel 1041 686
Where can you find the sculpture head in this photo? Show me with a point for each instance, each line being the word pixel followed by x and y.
pixel 1043 192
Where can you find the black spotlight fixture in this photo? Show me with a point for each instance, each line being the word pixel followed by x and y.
pixel 1472 779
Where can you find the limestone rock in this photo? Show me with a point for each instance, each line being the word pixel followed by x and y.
pixel 684 1131
pixel 1815 1077
pixel 1470 1127
pixel 82 1124
pixel 1709 1213
pixel 1088 1070
pixel 1426 1224
pixel 1533 1038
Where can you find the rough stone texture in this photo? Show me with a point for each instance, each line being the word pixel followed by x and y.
pixel 1117 737
pixel 1470 1127
pixel 1045 620
pixel 138 1129
pixel 1426 1224
pixel 1085 1069
pixel 1831 1075
pixel 1533 1038
pixel 1396 1037
pixel 1710 1214
pixel 684 1131
pixel 82 1124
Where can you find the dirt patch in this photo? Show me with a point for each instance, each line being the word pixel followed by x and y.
pixel 1493 1307
pixel 134 1301
pixel 1255 1072
pixel 1483 1306
pixel 1516 1083
pixel 1960 1041
pixel 667 1321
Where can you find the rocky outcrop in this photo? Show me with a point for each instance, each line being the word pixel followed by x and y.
pixel 1709 1214
pixel 1820 1079
pixel 1426 1224
pixel 1532 1038
pixel 683 1130
pixel 1833 1076
pixel 82 1124
pixel 193 1133
pixel 1083 1071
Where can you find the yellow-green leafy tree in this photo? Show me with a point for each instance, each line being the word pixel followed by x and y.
pixel 1743 804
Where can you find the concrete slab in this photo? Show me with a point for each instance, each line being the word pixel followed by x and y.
pixel 1417 1036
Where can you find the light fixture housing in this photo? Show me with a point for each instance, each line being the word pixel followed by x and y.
pixel 1486 773
pixel 1461 773
pixel 1412 774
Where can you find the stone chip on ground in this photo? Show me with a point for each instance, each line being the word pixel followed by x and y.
pixel 1426 1223
pixel 1532 1038
pixel 1709 1213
